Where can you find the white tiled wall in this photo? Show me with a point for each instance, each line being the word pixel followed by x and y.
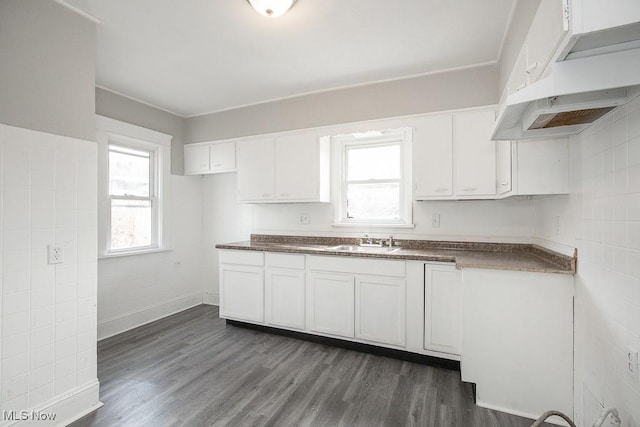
pixel 601 217
pixel 48 312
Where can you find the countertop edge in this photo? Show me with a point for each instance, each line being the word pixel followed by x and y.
pixel 399 257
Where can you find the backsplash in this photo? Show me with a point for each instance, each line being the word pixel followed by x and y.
pixel 601 217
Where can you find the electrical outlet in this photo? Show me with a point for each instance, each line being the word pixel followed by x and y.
pixel 435 220
pixel 303 218
pixel 556 224
pixel 55 254
pixel 632 363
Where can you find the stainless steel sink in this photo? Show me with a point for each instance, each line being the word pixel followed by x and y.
pixel 364 249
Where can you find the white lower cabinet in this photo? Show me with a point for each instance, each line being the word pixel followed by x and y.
pixel 380 310
pixel 285 297
pixel 442 309
pixel 331 304
pixel 242 292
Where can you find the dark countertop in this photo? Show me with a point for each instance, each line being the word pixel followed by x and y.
pixel 499 256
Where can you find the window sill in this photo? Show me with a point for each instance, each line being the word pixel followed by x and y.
pixel 133 253
pixel 371 225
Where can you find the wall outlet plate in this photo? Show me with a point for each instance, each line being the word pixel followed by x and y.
pixel 435 220
pixel 55 254
pixel 632 363
pixel 303 218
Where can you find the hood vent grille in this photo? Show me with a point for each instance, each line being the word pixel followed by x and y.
pixel 569 118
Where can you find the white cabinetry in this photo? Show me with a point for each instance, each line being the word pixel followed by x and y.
pixel 242 285
pixel 433 156
pixel 256 169
pixel 209 158
pixel 331 304
pixel 475 154
pixel 442 305
pixel 504 171
pixel 368 303
pixel 285 291
pixel 284 169
pixel 517 331
pixel 380 310
pixel 544 36
pixel 541 166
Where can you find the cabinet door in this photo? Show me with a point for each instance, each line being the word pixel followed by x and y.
pixel 548 155
pixel 442 309
pixel 222 157
pixel 196 159
pixel 285 298
pixel 380 310
pixel 256 167
pixel 504 183
pixel 475 153
pixel 433 157
pixel 242 293
pixel 544 36
pixel 331 304
pixel 297 167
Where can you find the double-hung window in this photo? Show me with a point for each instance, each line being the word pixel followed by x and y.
pixel 133 213
pixel 133 173
pixel 375 178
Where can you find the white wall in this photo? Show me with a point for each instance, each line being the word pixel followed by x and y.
pixel 463 88
pixel 601 217
pixel 138 289
pixel 48 312
pixel 47 72
pixel 224 220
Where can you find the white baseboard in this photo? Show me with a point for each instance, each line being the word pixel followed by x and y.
pixel 124 322
pixel 67 407
pixel 210 298
pixel 553 420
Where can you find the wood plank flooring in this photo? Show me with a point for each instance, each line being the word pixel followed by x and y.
pixel 191 369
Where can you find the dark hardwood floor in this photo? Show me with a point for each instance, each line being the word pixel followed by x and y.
pixel 192 369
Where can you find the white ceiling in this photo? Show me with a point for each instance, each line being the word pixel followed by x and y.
pixel 192 57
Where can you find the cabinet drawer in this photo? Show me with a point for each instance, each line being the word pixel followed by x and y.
pixel 242 257
pixel 294 261
pixel 352 265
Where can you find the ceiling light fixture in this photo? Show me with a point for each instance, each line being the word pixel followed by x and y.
pixel 271 8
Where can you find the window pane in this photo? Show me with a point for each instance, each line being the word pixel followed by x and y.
pixel 128 172
pixel 130 223
pixel 373 201
pixel 373 162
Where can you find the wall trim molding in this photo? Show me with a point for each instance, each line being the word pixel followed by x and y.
pixel 78 11
pixel 211 298
pixel 123 322
pixel 518 413
pixel 68 407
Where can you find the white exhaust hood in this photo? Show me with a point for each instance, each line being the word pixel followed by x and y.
pixel 577 92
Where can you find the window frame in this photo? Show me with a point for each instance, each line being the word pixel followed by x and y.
pixel 110 131
pixel 153 192
pixel 342 144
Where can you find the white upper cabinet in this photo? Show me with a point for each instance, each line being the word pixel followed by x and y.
pixel 504 182
pixel 542 166
pixel 288 168
pixel 544 36
pixel 433 157
pixel 209 158
pixel 302 168
pixel 475 153
pixel 256 169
